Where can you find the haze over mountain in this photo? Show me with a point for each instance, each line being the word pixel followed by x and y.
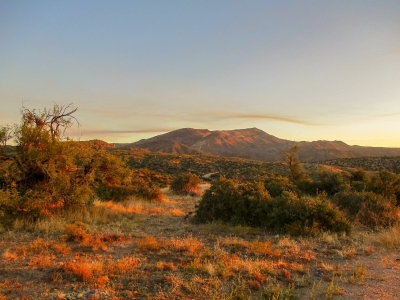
pixel 253 143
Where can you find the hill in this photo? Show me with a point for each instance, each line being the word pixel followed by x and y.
pixel 253 143
pixel 390 163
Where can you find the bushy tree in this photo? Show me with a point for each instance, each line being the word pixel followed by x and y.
pixel 250 204
pixel 276 184
pixel 296 172
pixel 387 184
pixel 185 184
pixel 305 215
pixel 50 172
pixel 368 209
pixel 329 181
pixel 231 202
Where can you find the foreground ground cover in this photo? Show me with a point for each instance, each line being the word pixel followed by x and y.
pixel 151 250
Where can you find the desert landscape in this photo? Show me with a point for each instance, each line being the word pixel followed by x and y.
pixel 92 220
pixel 185 150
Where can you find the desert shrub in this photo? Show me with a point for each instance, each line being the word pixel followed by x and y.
pixel 186 183
pixel 43 175
pixel 217 202
pixel 228 201
pixel 359 175
pixel 250 204
pixel 145 189
pixel 358 186
pixel 307 187
pixel 276 184
pixel 111 176
pixel 305 215
pixel 49 172
pixel 161 180
pixel 329 181
pixel 386 184
pixel 369 209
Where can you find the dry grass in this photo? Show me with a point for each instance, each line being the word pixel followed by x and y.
pixel 141 250
pixel 388 239
pixel 83 268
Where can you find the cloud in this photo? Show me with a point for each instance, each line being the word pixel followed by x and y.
pixel 271 118
pixel 114 132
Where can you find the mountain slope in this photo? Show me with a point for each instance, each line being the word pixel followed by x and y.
pixel 254 143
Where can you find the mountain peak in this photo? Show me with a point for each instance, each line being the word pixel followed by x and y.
pixel 253 143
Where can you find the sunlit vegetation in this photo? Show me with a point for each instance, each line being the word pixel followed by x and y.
pixel 251 204
pixel 185 184
pixel 96 222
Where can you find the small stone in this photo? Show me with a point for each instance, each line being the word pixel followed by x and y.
pixel 90 294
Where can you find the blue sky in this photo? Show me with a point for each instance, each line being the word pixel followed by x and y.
pixel 299 70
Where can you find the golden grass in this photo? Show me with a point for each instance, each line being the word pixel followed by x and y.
pixel 161 265
pixel 264 248
pixel 188 244
pixel 41 261
pixel 10 255
pixel 80 232
pixel 83 268
pixel 388 239
pixel 256 247
pixel 150 243
pixel 123 266
pixel 99 271
pixel 177 212
pixel 139 207
pixel 158 259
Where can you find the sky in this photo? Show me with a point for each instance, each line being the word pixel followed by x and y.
pixel 299 70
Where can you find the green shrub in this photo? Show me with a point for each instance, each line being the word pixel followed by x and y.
pixel 250 204
pixel 307 187
pixel 386 184
pixel 217 202
pixel 159 179
pixel 276 184
pixel 329 181
pixel 49 172
pixel 185 184
pixel 305 215
pixel 359 175
pixel 228 201
pixel 368 209
pixel 145 189
pixel 111 176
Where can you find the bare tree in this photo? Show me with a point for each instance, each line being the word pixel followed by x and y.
pixel 6 133
pixel 57 119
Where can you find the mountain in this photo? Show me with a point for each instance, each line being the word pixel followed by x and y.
pixel 253 143
pixel 167 146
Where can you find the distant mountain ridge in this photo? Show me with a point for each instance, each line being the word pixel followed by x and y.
pixel 253 143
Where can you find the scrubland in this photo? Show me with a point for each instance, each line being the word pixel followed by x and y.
pixel 81 220
pixel 138 249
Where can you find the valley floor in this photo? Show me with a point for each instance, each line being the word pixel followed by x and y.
pixel 141 250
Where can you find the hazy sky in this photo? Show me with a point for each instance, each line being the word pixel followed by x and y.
pixel 299 70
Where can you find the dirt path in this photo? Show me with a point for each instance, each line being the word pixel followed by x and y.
pixel 382 280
